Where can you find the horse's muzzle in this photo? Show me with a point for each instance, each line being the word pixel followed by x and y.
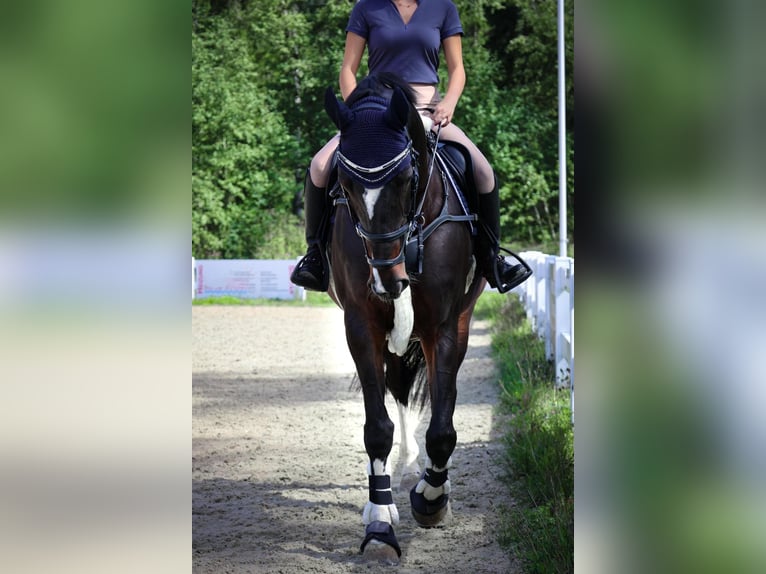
pixel 390 289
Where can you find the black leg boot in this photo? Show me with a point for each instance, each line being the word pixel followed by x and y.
pixel 312 272
pixel 499 272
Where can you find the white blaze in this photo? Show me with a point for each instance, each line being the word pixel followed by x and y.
pixel 371 196
pixel 377 283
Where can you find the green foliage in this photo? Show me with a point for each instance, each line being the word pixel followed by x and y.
pixel 259 74
pixel 544 535
pixel 239 146
pixel 510 109
pixel 283 239
pixel 539 444
pixel 488 305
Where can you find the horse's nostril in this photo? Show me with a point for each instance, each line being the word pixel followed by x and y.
pixel 399 287
pixel 388 291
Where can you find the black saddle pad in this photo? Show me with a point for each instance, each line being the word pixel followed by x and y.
pixel 458 161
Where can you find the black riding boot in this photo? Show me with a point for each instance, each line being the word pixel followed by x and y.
pixel 312 272
pixel 500 274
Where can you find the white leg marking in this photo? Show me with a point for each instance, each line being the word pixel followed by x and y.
pixel 379 512
pixel 434 492
pixel 404 320
pixel 370 199
pixel 408 446
pixel 408 468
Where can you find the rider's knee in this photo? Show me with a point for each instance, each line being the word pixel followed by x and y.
pixel 318 170
pixel 320 163
pixel 483 175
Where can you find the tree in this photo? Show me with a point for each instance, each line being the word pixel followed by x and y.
pixel 239 147
pixel 259 74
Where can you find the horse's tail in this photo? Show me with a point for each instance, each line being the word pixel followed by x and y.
pixel 406 376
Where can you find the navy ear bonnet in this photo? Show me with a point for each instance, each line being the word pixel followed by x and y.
pixel 374 144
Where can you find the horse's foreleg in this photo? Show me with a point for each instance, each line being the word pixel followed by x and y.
pixel 430 497
pixel 380 512
pixel 380 506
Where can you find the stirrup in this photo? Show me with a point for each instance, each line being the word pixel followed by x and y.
pixel 520 272
pixel 311 272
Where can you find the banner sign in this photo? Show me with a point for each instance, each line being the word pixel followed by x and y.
pixel 245 278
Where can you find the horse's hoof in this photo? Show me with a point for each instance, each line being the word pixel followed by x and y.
pixel 380 544
pixel 430 513
pixel 441 517
pixel 376 551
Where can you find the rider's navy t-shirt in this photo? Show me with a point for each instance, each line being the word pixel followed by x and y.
pixel 410 51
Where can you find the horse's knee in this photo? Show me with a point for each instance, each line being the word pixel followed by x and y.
pixel 440 443
pixel 379 438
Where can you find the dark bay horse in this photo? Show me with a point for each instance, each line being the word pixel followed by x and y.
pixel 398 320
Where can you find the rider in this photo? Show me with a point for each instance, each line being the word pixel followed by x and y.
pixel 404 37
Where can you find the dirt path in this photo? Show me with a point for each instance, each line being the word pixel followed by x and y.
pixel 279 478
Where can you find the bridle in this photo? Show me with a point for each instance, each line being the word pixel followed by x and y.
pixel 373 176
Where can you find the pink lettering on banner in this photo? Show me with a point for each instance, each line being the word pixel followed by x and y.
pixel 291 287
pixel 200 279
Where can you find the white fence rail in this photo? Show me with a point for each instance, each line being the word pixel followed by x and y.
pixel 548 297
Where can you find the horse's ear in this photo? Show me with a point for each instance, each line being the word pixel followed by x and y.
pixel 339 112
pixel 398 110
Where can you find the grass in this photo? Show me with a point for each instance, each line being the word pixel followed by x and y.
pixel 313 299
pixel 539 443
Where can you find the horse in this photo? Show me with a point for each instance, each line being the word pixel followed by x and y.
pixel 402 269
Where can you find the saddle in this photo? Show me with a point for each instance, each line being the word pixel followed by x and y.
pixel 456 159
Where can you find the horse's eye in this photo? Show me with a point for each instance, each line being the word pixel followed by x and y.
pixel 404 175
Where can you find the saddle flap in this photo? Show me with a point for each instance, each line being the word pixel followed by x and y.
pixel 457 159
